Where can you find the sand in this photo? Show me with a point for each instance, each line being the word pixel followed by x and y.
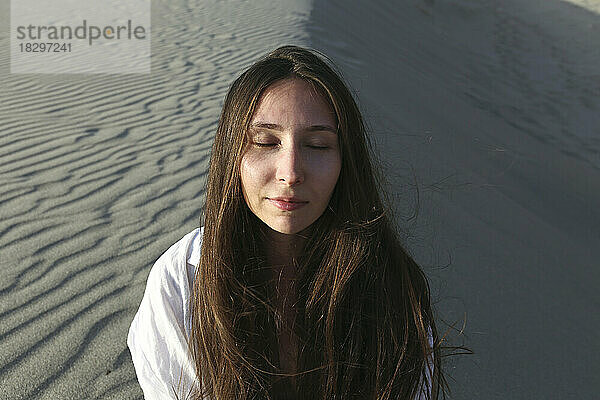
pixel 489 109
pixel 494 111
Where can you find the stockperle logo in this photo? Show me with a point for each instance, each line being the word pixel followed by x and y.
pixel 85 36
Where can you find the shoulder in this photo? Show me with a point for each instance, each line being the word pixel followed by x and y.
pixel 185 250
pixel 172 275
pixel 425 384
pixel 158 334
pixel 175 268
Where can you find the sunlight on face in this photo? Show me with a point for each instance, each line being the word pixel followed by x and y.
pixel 293 155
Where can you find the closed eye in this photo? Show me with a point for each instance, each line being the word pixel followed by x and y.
pixel 275 144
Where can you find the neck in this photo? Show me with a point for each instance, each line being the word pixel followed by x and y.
pixel 282 249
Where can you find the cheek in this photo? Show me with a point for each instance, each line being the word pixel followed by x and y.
pixel 335 174
pixel 245 177
pixel 251 171
pixel 327 171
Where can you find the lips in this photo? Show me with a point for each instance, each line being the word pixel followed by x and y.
pixel 288 199
pixel 287 204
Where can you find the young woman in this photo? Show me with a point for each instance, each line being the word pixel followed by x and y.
pixel 296 286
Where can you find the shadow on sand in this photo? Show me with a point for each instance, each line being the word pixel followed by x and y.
pixel 495 111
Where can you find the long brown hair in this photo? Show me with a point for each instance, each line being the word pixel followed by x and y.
pixel 363 308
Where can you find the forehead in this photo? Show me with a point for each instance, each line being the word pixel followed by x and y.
pixel 293 102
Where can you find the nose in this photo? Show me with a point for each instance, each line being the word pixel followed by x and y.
pixel 290 169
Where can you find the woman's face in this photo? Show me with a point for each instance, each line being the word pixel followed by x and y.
pixel 293 154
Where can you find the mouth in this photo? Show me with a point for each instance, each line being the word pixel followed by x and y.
pixel 287 205
pixel 288 199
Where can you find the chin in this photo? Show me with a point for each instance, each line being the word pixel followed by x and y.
pixel 288 229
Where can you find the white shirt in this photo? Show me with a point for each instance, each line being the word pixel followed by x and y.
pixel 158 335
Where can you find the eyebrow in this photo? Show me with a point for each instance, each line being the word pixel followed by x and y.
pixel 312 128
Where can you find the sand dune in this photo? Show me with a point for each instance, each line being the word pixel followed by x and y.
pixel 494 108
pixel 99 175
